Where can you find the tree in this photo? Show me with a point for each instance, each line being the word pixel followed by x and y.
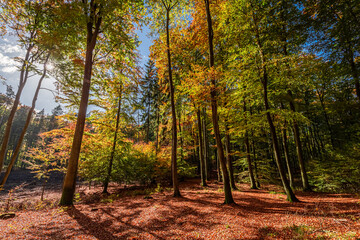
pixel 150 101
pixel 227 188
pixel 27 123
pixel 99 17
pixel 26 22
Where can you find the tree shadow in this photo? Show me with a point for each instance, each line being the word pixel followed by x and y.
pixel 96 229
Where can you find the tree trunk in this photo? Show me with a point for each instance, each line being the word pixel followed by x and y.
pixel 24 130
pixel 299 150
pixel 255 165
pixel 201 146
pixel 229 159
pixel 227 187
pixel 290 195
pixel 286 153
pixel 173 113
pixel 205 143
pixel 108 176
pixel 157 125
pixel 71 174
pixel 354 73
pixel 23 79
pixel 248 156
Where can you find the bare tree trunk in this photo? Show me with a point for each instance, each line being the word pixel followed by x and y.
pixel 71 174
pixel 248 155
pixel 201 147
pixel 23 79
pixel 24 130
pixel 229 159
pixel 256 175
pixel 286 153
pixel 227 187
pixel 290 195
pixel 304 178
pixel 206 144
pixel 173 113
pixel 108 176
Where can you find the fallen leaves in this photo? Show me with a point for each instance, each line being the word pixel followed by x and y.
pixel 199 214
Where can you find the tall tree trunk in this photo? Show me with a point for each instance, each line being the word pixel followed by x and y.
pixel 290 195
pixel 227 187
pixel 23 79
pixel 255 165
pixel 108 176
pixel 287 158
pixel 354 72
pixel 148 124
pixel 229 159
pixel 299 150
pixel 157 125
pixel 201 146
pixel 173 113
pixel 180 137
pixel 71 173
pixel 286 153
pixel 205 143
pixel 327 120
pixel 24 130
pixel 248 156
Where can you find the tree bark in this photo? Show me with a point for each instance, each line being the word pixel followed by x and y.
pixel 108 176
pixel 69 184
pixel 286 153
pixel 229 159
pixel 299 150
pixel 201 147
pixel 23 79
pixel 248 156
pixel 227 187
pixel 175 181
pixel 290 195
pixel 24 130
pixel 205 143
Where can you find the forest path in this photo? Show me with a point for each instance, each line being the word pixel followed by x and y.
pixel 198 214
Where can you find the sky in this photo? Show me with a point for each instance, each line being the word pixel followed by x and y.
pixel 9 49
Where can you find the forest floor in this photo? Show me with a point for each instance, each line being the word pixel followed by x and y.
pixel 141 213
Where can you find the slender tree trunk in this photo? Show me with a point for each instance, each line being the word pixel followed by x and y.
pixel 299 150
pixel 148 124
pixel 205 143
pixel 248 156
pixel 327 120
pixel 157 125
pixel 287 158
pixel 290 195
pixel 173 113
pixel 201 146
pixel 354 73
pixel 108 176
pixel 255 165
pixel 227 187
pixel 229 159
pixel 71 174
pixel 23 79
pixel 218 171
pixel 24 130
pixel 180 137
pixel 286 153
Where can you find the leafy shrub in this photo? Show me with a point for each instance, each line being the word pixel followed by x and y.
pixel 337 171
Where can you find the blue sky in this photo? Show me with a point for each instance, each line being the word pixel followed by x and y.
pixel 9 49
